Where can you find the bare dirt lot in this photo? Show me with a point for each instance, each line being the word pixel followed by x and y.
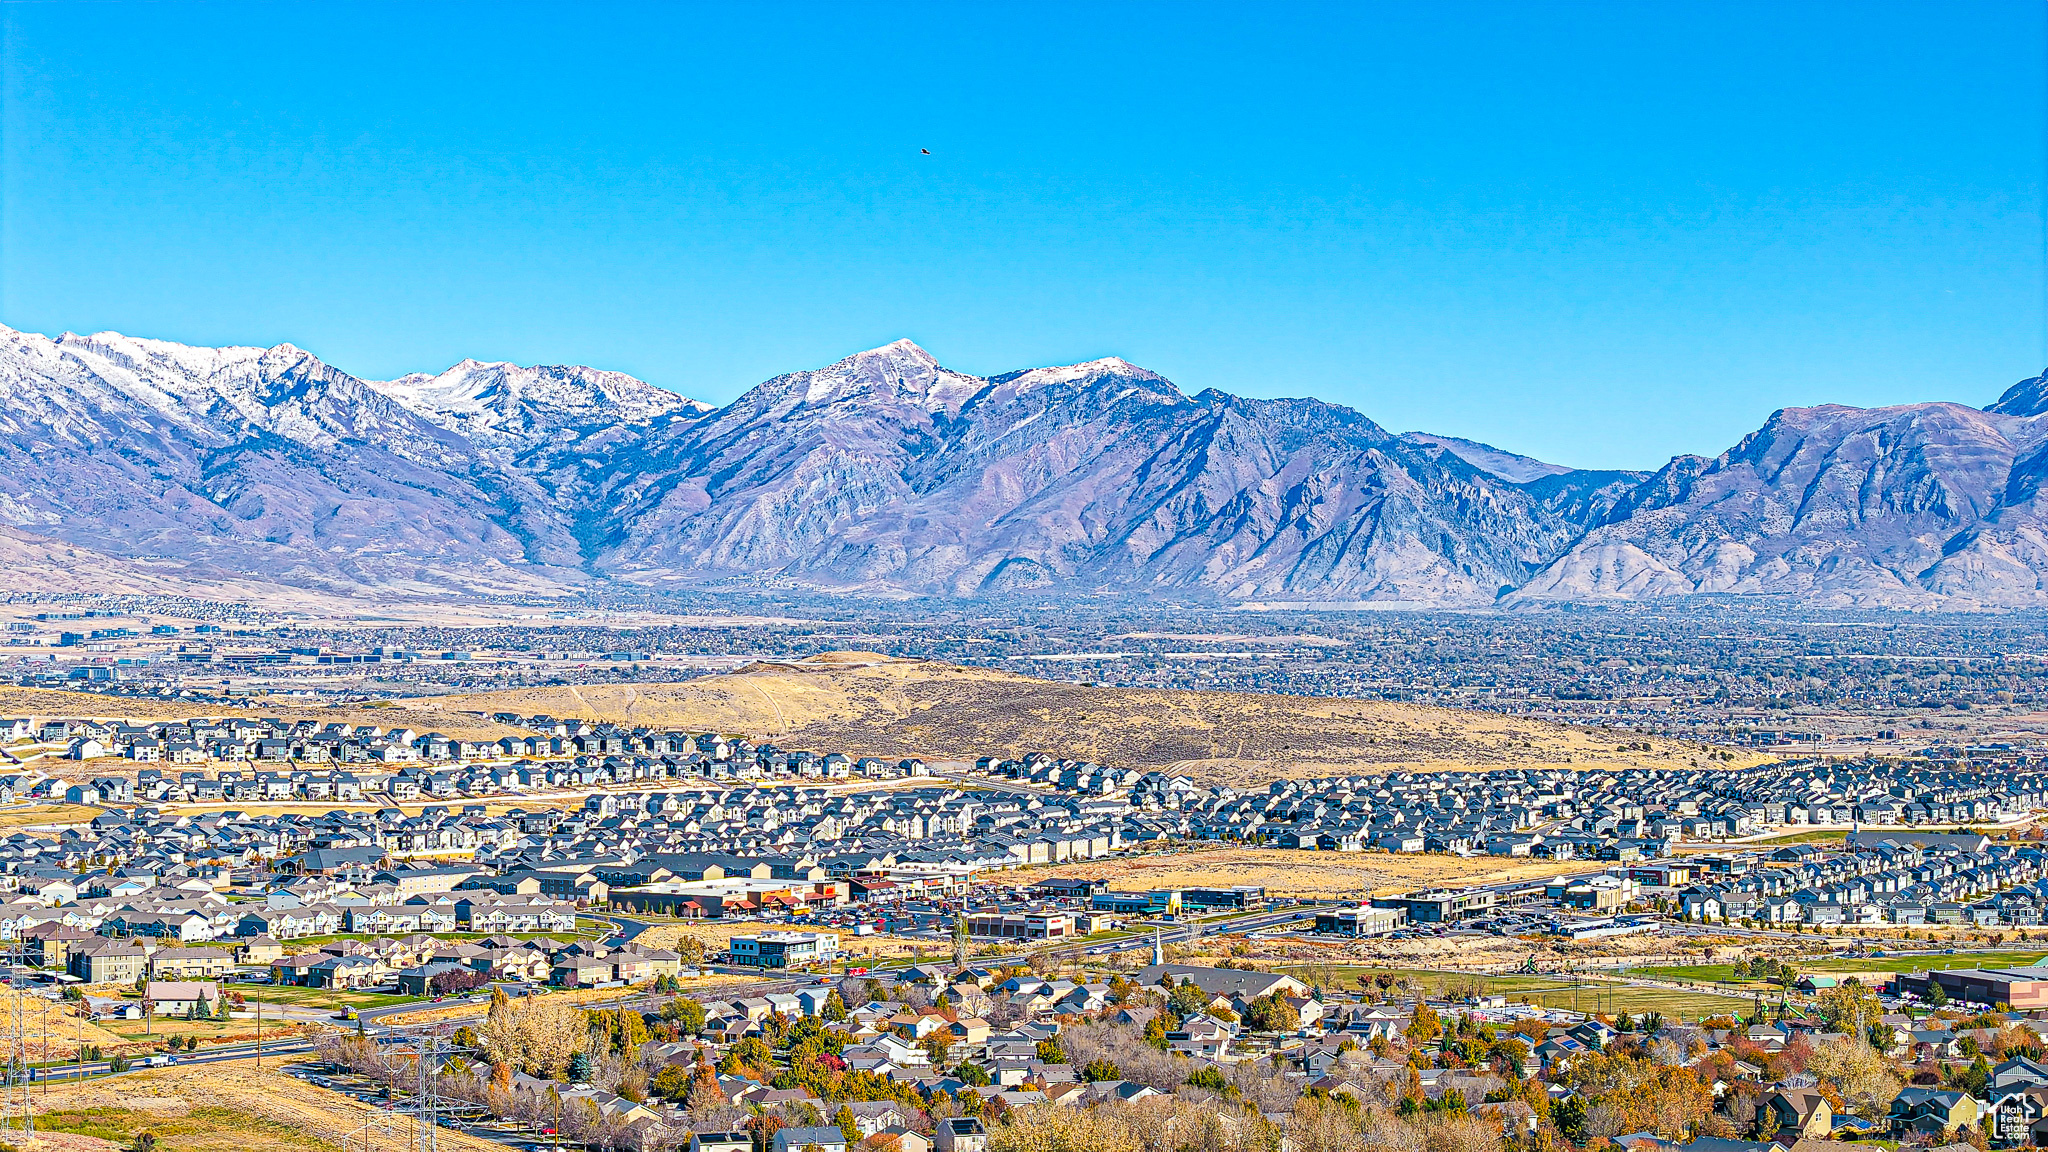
pixel 878 705
pixel 1288 873
pixel 718 935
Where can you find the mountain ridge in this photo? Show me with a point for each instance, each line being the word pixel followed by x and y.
pixel 888 472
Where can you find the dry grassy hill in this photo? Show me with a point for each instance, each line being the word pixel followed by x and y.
pixel 878 705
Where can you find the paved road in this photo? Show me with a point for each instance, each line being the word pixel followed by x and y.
pixel 627 929
pixel 225 1052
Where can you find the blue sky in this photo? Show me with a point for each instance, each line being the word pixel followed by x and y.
pixel 1600 234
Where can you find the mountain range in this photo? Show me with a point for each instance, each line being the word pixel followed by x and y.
pixel 888 473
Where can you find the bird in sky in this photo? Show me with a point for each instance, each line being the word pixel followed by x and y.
pixel 926 151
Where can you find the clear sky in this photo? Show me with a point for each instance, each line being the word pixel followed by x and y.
pixel 1597 233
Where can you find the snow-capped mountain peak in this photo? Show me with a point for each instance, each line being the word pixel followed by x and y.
pixel 496 395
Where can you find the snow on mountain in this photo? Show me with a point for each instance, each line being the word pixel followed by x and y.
pixel 887 471
pixel 1485 457
pixel 509 400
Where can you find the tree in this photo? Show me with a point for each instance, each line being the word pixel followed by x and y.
pixel 1973 1079
pixel 453 981
pixel 1569 1114
pixel 537 1034
pixel 1155 1033
pixel 1050 1052
pixel 1187 999
pixel 1425 1026
pixel 672 1082
pixel 1270 1014
pixel 1937 996
pixel 972 1073
pixel 1849 1007
pixel 848 1126
pixel 1097 1070
pixel 686 1014
pixel 579 1068
pixel 1859 1073
pixel 621 1030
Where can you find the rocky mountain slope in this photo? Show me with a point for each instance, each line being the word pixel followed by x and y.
pixel 887 472
pixel 1912 506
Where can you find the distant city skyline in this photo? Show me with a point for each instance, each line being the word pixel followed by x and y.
pixel 1598 234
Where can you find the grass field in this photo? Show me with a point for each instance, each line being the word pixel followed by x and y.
pixel 1291 873
pixel 335 998
pixel 227 1107
pixel 1548 990
pixel 47 814
pixel 1848 965
pixel 205 1129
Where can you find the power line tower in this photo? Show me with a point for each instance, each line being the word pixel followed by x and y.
pixel 426 1101
pixel 20 1099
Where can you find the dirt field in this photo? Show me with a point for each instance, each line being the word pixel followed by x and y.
pixel 1288 873
pixel 716 935
pixel 53 1032
pixel 47 814
pixel 227 1107
pixel 872 704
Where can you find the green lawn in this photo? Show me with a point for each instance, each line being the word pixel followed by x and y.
pixel 1848 965
pixel 335 998
pixel 1671 1004
pixel 1560 991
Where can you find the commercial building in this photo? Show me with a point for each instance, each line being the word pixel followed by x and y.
pixel 1161 903
pixel 2019 989
pixel 785 949
pixel 1020 925
pixel 1235 897
pixel 1440 906
pixel 1361 921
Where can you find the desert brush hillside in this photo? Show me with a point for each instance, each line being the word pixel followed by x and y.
pixel 878 705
